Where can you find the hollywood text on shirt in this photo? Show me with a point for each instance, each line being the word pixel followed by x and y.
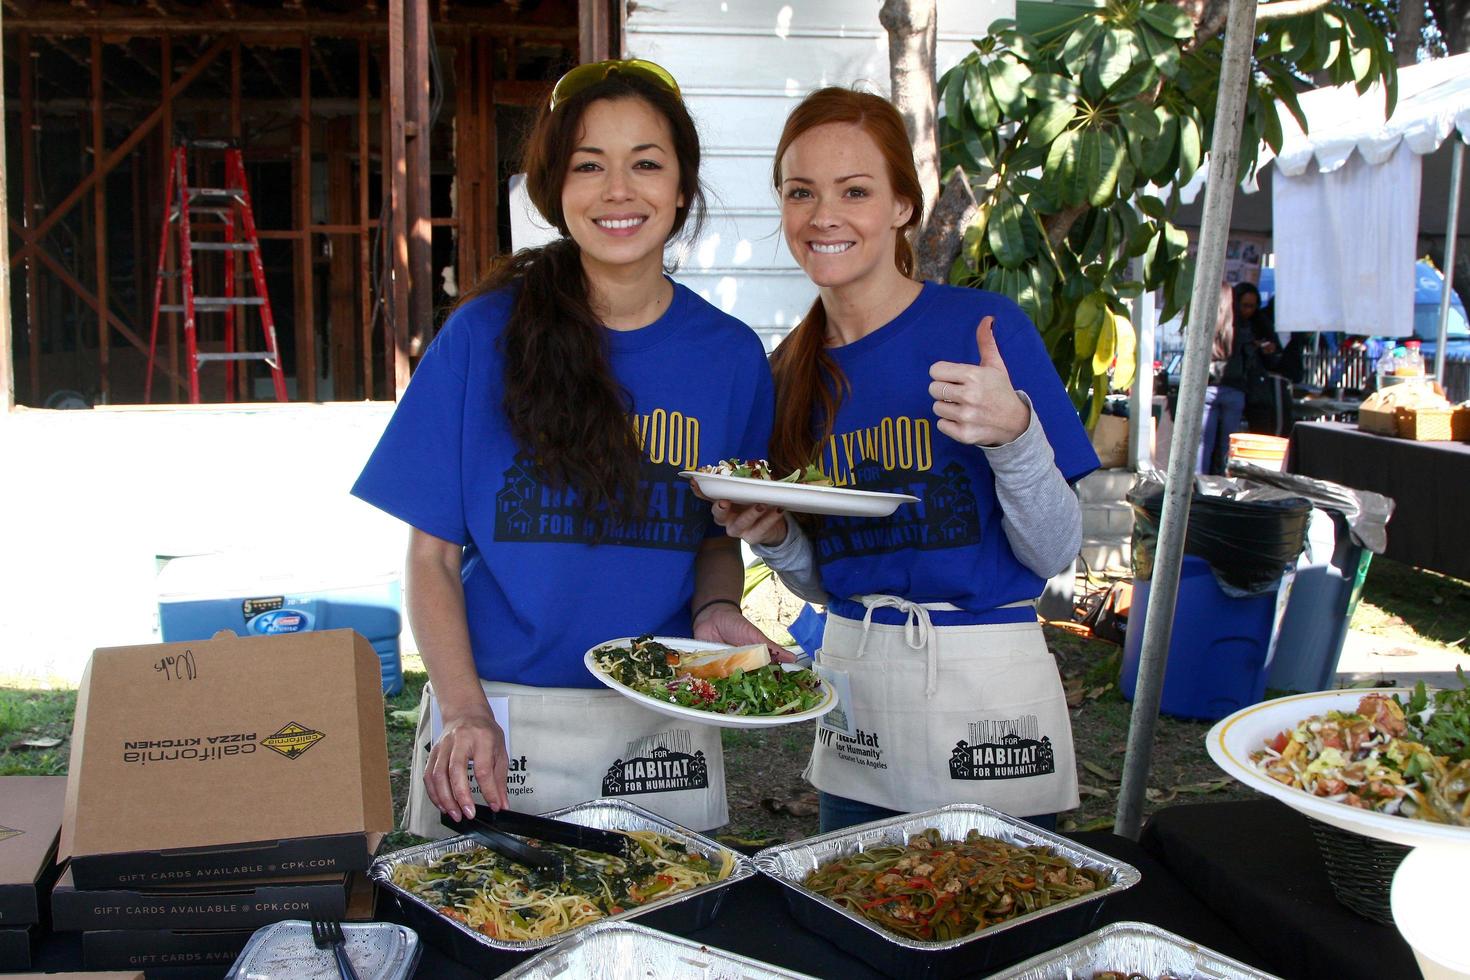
pixel 896 455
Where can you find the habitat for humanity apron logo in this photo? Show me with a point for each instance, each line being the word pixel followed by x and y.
pixel 8 832
pixel 661 770
pixel 1007 749
pixel 293 739
pixel 861 747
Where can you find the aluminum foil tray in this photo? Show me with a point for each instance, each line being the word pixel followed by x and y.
pixel 910 959
pixel 680 913
pixel 628 951
pixel 285 951
pixel 1137 948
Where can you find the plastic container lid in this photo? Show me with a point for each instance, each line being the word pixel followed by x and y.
pixel 234 574
pixel 1427 901
pixel 378 951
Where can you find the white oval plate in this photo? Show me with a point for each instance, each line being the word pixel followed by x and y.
pixel 686 645
pixel 1233 739
pixel 804 498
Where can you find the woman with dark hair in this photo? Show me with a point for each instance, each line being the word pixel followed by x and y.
pixel 947 688
pixel 536 454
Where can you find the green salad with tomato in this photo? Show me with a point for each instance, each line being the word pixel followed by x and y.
pixel 652 669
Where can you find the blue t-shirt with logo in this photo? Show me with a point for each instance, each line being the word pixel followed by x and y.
pixel 538 591
pixel 948 547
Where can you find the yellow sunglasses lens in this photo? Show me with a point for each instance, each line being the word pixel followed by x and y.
pixel 584 76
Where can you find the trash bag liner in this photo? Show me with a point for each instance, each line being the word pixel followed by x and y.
pixel 1366 512
pixel 1249 533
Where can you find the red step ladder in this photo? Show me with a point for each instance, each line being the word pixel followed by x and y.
pixel 229 206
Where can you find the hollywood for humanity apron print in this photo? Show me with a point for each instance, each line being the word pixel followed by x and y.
pixel 570 745
pixel 936 715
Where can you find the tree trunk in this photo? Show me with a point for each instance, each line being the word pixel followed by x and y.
pixel 912 31
pixel 1410 27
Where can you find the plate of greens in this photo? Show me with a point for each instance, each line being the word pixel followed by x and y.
pixel 1389 764
pixel 806 491
pixel 710 683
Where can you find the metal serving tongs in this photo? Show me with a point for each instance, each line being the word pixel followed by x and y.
pixel 495 830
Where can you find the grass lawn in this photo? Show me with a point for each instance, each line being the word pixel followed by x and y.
pixel 768 798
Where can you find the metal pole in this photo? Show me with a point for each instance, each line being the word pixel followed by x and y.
pixel 1205 298
pixel 1141 398
pixel 1452 228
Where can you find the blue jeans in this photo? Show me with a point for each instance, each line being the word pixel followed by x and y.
pixel 1224 409
pixel 837 812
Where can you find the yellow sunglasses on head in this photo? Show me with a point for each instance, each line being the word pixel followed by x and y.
pixel 584 76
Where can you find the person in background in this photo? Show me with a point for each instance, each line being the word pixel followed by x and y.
pixel 948 691
pixel 535 455
pixel 1267 391
pixel 1225 395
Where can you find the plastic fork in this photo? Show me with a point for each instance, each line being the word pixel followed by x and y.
pixel 327 934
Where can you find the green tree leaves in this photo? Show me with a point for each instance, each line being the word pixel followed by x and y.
pixel 1083 135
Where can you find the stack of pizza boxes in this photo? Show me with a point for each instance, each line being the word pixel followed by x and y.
pixel 218 786
pixel 30 819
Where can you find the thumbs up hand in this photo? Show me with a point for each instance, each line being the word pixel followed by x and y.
pixel 975 403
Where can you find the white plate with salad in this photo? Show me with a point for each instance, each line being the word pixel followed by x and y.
pixel 1373 762
pixel 803 491
pixel 710 683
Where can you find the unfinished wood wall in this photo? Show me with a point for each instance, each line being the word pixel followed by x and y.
pixel 376 170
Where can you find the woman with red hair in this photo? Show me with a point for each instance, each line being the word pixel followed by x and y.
pixel 948 690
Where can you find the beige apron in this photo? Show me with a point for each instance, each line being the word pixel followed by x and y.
pixel 951 714
pixel 569 745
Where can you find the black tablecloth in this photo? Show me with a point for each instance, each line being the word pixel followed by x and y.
pixel 1256 865
pixel 1242 878
pixel 1422 478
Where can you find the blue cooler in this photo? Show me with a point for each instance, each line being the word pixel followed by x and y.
pixel 1219 649
pixel 253 595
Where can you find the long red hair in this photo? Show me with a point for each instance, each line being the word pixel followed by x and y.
pixel 809 384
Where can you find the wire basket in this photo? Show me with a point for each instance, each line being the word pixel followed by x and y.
pixel 1359 868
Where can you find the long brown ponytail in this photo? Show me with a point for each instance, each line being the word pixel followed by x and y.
pixel 810 386
pixel 567 411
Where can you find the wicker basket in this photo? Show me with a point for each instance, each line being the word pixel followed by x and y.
pixel 1359 868
pixel 1425 424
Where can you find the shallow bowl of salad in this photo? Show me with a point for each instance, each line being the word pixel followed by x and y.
pixel 1390 764
pixel 640 668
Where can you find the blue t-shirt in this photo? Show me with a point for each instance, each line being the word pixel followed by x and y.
pixel 538 592
pixel 949 547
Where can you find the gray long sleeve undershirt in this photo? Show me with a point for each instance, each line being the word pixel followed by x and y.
pixel 1040 515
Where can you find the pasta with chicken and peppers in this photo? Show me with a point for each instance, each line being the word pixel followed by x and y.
pixel 932 889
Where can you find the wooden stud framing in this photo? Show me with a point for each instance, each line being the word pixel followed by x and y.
pixel 7 364
pixel 163 114
pixel 396 173
pixel 417 140
pixel 341 315
pixel 305 247
pixel 99 222
pixel 28 219
pixel 403 164
pixel 171 288
pixel 366 286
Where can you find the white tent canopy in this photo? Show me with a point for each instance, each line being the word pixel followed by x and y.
pixel 1345 199
pixel 1434 101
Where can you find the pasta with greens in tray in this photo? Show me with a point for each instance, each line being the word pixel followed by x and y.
pixel 934 889
pixel 505 900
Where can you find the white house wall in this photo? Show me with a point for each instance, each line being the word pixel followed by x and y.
pixel 742 66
